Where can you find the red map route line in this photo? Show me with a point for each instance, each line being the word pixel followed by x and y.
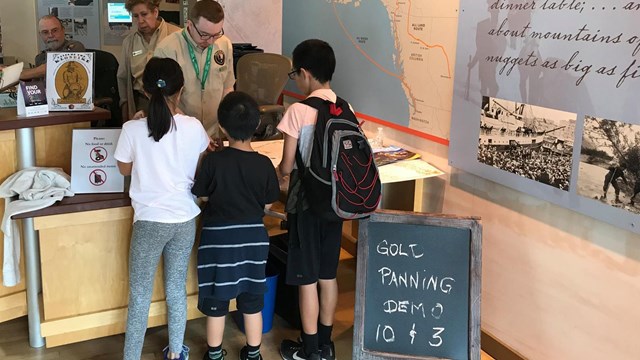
pixel 371 60
pixel 375 63
pixel 444 52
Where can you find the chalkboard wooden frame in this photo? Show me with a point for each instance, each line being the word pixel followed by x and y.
pixel 475 271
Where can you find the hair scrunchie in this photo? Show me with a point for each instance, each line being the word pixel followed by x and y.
pixel 161 83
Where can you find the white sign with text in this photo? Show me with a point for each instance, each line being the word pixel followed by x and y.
pixel 93 167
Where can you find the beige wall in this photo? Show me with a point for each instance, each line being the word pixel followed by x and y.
pixel 19 29
pixel 555 284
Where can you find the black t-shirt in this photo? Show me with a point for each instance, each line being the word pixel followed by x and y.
pixel 238 184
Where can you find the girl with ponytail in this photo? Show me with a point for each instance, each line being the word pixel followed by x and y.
pixel 161 153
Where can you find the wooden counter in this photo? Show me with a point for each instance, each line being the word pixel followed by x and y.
pixel 52 148
pixel 9 119
pixel 84 252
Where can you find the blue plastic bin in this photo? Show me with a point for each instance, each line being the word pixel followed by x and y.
pixel 269 306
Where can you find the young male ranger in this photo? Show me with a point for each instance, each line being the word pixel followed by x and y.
pixel 206 58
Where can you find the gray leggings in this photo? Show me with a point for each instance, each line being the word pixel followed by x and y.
pixel 149 240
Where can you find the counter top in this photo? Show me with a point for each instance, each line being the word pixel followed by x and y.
pixel 9 119
pixel 79 203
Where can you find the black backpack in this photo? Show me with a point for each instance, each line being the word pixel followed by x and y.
pixel 341 181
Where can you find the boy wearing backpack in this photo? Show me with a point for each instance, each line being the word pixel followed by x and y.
pixel 315 235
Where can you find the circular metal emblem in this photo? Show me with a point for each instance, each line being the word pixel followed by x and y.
pixel 219 57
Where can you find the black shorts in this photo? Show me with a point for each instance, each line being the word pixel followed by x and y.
pixel 314 248
pixel 247 303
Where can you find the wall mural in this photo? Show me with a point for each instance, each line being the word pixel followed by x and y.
pixel 545 101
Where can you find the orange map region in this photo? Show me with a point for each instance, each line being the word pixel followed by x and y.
pixel 444 52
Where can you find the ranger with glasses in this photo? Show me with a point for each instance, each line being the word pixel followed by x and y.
pixel 206 57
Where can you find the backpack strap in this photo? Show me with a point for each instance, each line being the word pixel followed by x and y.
pixel 315 102
pixel 322 104
pixel 333 110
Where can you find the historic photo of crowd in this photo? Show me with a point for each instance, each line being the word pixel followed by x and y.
pixel 527 140
pixel 610 163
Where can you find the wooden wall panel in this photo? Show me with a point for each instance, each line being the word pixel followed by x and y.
pixel 53 145
pixel 84 259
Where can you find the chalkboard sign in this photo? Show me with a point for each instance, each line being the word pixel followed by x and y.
pixel 418 287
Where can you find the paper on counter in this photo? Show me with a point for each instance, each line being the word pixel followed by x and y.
pixel 407 170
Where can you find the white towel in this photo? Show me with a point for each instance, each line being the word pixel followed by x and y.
pixel 36 188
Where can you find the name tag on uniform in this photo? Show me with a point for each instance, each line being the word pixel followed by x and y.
pixel 222 68
pixel 137 52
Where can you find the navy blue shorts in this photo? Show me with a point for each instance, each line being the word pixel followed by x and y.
pixel 247 303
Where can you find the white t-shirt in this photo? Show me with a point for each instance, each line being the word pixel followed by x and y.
pixel 299 121
pixel 163 172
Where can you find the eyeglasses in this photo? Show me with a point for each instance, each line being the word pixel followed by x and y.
pixel 206 36
pixel 292 74
pixel 53 31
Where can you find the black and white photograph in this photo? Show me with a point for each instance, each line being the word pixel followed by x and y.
pixel 609 163
pixel 67 24
pixel 80 26
pixel 527 140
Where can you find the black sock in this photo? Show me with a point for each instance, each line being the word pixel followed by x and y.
pixel 215 353
pixel 253 352
pixel 310 343
pixel 324 334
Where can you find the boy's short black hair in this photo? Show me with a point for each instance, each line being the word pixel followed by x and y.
pixel 238 115
pixel 317 57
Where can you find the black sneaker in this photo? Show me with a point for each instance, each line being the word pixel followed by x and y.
pixel 328 352
pixel 244 354
pixel 293 350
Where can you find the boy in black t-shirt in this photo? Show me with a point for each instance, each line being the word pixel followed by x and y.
pixel 234 244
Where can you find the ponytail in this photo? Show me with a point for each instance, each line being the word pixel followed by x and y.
pixel 162 79
pixel 160 121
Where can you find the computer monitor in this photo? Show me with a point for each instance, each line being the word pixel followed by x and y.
pixel 117 13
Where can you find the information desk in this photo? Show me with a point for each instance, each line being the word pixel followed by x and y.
pixel 26 142
pixel 84 253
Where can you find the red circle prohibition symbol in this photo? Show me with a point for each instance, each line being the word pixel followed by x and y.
pixel 97 177
pixel 98 154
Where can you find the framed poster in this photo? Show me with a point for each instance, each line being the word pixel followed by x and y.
pixel 70 81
